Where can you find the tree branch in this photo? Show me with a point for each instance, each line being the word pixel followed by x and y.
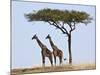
pixel 72 28
pixel 55 24
pixel 65 29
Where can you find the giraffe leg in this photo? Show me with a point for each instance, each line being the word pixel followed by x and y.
pixel 51 61
pixel 60 59
pixel 55 60
pixel 43 61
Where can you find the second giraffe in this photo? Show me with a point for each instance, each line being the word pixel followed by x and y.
pixel 56 52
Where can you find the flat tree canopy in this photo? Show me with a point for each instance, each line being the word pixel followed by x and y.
pixel 55 15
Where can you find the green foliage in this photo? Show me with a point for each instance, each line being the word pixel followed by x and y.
pixel 56 15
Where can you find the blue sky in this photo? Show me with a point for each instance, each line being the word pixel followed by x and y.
pixel 27 53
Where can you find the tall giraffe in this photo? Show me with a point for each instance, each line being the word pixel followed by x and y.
pixel 45 52
pixel 56 52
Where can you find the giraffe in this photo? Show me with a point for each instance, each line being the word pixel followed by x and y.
pixel 45 52
pixel 56 52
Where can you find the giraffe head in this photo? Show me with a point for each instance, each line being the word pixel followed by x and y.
pixel 48 36
pixel 34 37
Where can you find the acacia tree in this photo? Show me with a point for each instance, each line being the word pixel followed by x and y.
pixel 64 20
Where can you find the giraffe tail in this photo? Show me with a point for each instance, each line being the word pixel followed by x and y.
pixel 65 59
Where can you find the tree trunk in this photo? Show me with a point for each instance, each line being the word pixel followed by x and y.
pixel 69 48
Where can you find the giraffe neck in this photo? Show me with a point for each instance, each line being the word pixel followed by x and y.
pixel 54 47
pixel 51 42
pixel 40 43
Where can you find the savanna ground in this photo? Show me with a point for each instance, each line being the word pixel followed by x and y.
pixel 62 68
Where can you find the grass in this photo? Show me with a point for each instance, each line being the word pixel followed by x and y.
pixel 62 68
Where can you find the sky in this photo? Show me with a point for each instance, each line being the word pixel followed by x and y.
pixel 27 53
